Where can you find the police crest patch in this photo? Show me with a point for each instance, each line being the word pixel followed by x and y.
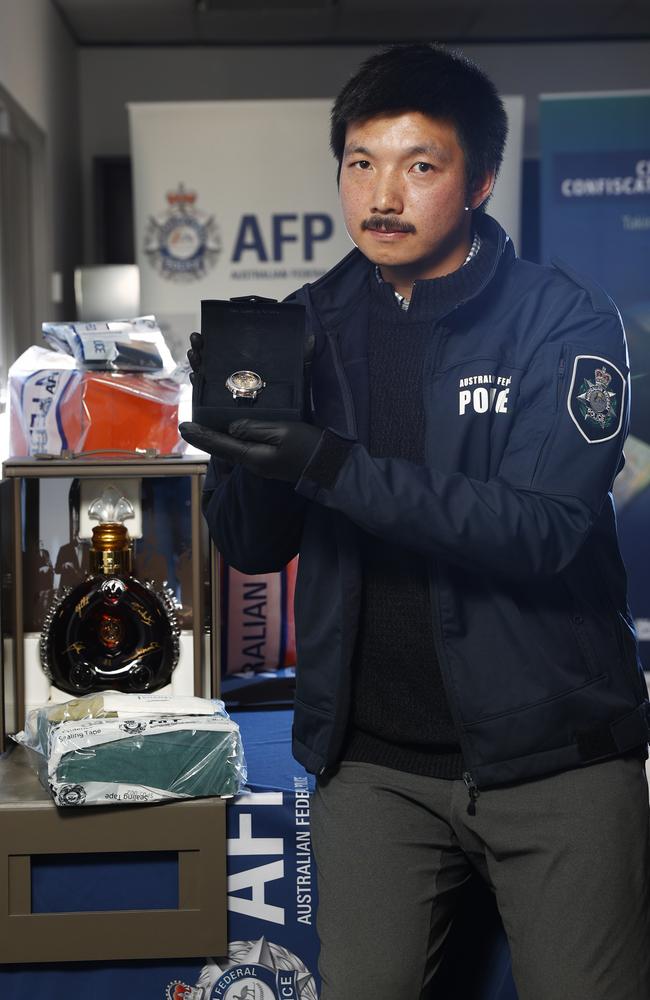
pixel 596 398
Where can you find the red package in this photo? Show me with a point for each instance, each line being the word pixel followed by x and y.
pixel 56 409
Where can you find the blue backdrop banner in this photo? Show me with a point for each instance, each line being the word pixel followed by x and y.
pixel 595 210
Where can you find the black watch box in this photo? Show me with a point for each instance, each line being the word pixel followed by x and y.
pixel 261 342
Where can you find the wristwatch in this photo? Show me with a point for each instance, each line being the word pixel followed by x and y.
pixel 245 387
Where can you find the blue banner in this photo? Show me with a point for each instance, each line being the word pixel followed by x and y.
pixel 595 211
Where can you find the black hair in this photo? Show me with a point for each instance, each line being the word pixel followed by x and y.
pixel 435 81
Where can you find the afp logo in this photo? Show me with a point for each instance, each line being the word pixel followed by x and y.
pixel 304 231
pixel 183 243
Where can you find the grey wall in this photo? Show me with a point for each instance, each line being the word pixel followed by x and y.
pixel 111 77
pixel 38 70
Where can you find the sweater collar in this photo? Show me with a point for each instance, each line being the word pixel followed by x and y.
pixel 402 301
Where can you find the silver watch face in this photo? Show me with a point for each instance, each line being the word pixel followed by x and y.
pixel 245 384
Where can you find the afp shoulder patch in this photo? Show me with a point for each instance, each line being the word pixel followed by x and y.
pixel 596 398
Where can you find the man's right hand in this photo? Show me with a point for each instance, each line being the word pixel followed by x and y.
pixel 194 354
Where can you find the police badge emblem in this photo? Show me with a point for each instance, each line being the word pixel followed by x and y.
pixel 596 398
pixel 182 243
pixel 257 970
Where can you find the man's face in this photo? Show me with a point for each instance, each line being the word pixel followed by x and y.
pixel 403 192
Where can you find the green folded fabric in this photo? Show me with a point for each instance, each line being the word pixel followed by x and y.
pixel 189 762
pixel 114 748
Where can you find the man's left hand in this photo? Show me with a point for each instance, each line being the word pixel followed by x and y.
pixel 278 449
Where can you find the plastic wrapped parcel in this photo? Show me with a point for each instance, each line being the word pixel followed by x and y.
pixel 112 748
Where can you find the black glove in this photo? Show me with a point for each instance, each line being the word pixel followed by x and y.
pixel 278 449
pixel 194 354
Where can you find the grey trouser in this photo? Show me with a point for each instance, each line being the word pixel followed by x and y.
pixel 567 857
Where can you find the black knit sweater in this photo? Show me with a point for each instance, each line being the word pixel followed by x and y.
pixel 400 714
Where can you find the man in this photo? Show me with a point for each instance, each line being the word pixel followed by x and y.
pixel 468 689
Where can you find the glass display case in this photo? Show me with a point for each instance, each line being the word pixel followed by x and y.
pixel 160 594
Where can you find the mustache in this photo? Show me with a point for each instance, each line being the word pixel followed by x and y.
pixel 388 224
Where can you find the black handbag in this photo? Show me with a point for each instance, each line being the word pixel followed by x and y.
pixel 253 363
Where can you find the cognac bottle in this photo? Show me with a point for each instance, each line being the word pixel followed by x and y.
pixel 112 631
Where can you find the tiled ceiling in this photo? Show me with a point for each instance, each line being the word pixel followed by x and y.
pixel 253 22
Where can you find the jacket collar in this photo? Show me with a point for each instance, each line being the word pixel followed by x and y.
pixel 338 291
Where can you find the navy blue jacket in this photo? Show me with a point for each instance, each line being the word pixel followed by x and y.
pixel 526 401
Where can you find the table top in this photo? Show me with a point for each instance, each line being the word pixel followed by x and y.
pixel 19 784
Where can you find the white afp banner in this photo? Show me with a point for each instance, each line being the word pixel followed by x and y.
pixel 240 198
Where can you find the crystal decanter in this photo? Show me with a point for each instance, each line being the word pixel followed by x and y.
pixel 112 631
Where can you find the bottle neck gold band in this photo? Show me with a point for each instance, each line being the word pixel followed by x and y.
pixel 111 549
